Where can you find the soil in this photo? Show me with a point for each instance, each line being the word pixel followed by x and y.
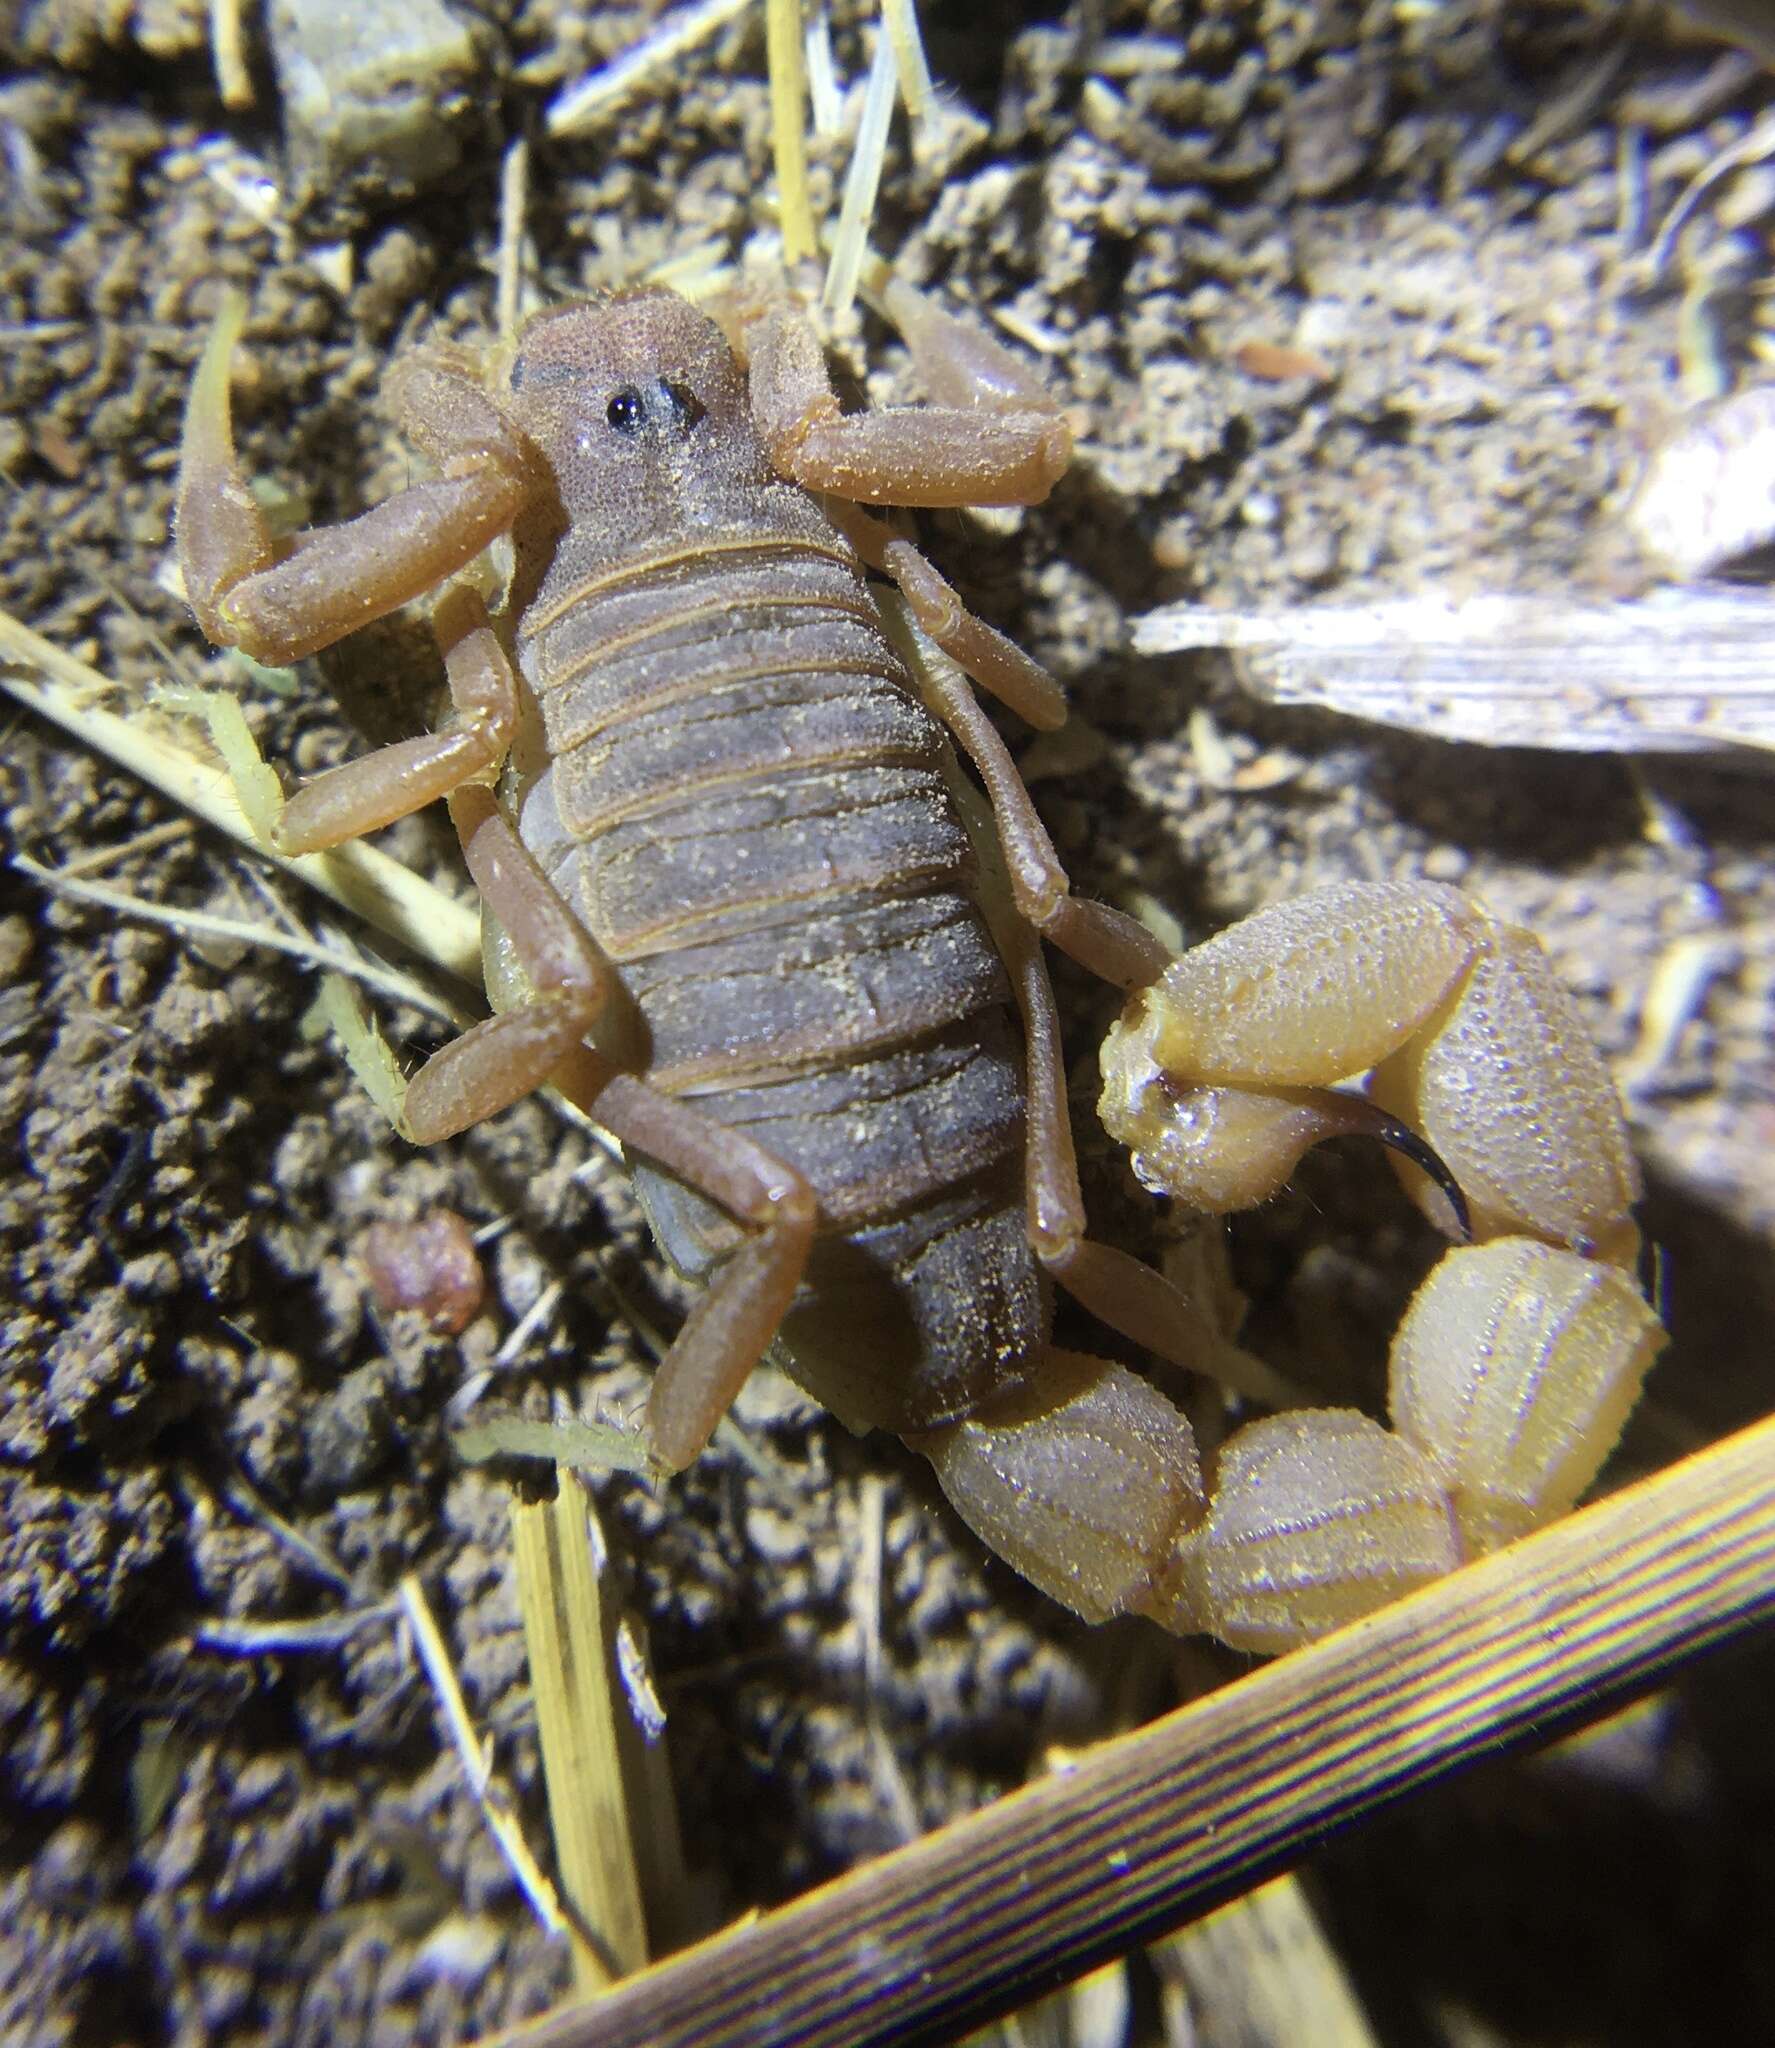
pixel 210 1426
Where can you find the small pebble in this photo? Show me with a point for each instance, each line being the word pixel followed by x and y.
pixel 430 1264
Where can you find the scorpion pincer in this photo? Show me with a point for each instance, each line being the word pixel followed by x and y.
pixel 739 898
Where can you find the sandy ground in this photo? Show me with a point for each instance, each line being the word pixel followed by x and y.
pixel 205 1845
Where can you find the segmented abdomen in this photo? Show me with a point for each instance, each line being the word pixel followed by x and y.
pixel 746 804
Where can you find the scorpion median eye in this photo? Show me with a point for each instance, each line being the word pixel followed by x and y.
pixel 626 411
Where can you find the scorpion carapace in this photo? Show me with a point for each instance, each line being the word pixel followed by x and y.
pixel 733 900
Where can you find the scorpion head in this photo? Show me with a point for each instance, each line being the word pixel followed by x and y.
pixel 634 391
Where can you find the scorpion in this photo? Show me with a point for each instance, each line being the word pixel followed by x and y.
pixel 742 903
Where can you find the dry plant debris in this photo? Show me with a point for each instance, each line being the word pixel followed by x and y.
pixel 1677 671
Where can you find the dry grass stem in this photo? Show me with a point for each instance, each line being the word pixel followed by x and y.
pixel 900 19
pixel 41 333
pixel 1750 148
pixel 234 78
pixel 514 199
pixel 245 1499
pixel 527 1325
pixel 788 97
pixel 1261 1972
pixel 1178 1817
pixel 589 1742
pixel 386 895
pixel 862 181
pixel 276 1638
pixel 492 1797
pixel 584 1446
pixel 865 1602
pixel 825 102
pixel 366 1052
pixel 98 858
pixel 581 106
pixel 386 981
pixel 1675 997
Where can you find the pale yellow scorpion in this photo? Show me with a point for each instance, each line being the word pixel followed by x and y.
pixel 740 903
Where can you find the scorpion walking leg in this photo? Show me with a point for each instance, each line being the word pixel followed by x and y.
pixel 726 1333
pixel 1111 945
pixel 280 599
pixel 1008 452
pixel 1004 444
pixel 1122 1292
pixel 497 1062
pixel 1115 1287
pixel 363 795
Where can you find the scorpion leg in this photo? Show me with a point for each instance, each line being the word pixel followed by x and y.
pixel 1119 1290
pixel 281 599
pixel 1115 947
pixel 737 1315
pixel 1006 447
pixel 958 361
pixel 364 795
pixel 995 662
pixel 1004 442
pixel 1086 1479
pixel 1115 1287
pixel 498 1061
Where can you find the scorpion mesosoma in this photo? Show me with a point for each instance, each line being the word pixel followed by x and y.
pixel 739 902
